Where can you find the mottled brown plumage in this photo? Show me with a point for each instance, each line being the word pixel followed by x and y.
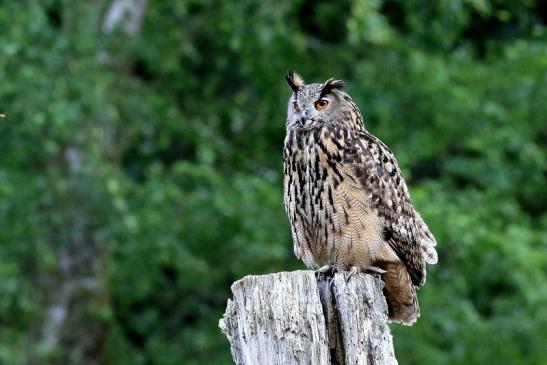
pixel 346 199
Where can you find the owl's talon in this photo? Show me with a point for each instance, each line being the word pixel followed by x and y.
pixel 373 270
pixel 366 269
pixel 326 271
pixel 354 270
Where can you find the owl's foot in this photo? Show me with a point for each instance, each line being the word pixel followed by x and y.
pixel 366 269
pixel 326 271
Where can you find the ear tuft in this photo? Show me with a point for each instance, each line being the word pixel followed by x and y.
pixel 294 80
pixel 332 84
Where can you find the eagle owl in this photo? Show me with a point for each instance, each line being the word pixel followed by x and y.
pixel 347 202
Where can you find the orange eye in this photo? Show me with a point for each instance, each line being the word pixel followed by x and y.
pixel 321 104
pixel 296 106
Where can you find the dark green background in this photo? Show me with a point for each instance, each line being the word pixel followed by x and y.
pixel 140 175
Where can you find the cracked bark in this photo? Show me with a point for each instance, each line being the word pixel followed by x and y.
pixel 294 318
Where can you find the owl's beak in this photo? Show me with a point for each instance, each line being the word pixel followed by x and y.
pixel 303 116
pixel 304 120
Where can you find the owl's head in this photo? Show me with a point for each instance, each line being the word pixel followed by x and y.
pixel 315 105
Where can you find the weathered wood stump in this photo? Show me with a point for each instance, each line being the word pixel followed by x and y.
pixel 294 318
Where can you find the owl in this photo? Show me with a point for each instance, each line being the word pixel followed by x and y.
pixel 347 202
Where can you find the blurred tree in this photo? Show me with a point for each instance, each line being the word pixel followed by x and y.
pixel 140 167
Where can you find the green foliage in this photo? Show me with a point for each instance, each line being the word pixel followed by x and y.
pixel 141 175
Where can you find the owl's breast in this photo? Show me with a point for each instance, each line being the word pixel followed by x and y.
pixel 332 221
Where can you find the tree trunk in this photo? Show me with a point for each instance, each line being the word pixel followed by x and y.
pixel 125 13
pixel 294 318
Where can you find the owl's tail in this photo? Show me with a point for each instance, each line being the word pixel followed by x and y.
pixel 400 294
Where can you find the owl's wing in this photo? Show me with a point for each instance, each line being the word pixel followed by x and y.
pixel 375 171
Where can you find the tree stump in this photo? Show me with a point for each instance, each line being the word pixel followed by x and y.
pixel 294 318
